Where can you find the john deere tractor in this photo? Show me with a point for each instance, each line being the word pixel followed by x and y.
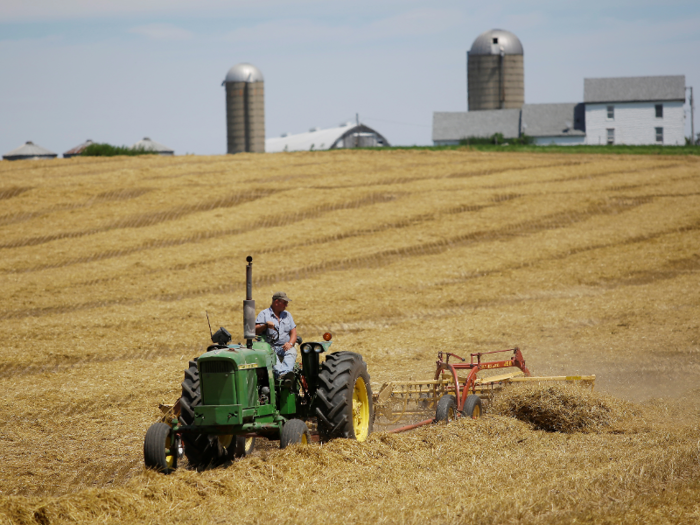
pixel 230 397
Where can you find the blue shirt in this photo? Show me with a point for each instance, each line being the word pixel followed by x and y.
pixel 284 325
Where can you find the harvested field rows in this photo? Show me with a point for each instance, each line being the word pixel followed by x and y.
pixel 589 263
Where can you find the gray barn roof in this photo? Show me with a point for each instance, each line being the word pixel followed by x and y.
pixel 29 150
pixel 554 120
pixel 491 42
pixel 464 124
pixel 319 139
pixel 634 89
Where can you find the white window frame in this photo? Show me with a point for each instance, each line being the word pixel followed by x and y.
pixel 610 112
pixel 610 136
pixel 659 134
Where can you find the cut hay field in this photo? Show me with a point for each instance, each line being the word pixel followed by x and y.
pixel 589 263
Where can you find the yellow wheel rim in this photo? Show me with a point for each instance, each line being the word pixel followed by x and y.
pixel 225 440
pixel 248 444
pixel 169 457
pixel 360 410
pixel 476 414
pixel 451 414
pixel 304 439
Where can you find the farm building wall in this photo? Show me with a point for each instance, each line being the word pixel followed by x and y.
pixel 635 123
pixel 560 141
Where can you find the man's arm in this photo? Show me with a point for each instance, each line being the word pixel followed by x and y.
pixel 261 327
pixel 292 339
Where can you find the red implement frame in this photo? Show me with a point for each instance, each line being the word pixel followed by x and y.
pixel 445 367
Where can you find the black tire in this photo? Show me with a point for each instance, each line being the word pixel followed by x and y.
pixel 446 409
pixel 244 446
pixel 158 450
pixel 472 407
pixel 201 450
pixel 343 379
pixel 294 432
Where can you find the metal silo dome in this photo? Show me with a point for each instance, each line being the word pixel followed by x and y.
pixel 493 41
pixel 244 72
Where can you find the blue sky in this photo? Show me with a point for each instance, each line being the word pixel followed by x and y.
pixel 116 71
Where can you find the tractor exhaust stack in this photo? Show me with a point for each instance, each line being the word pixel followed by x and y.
pixel 249 305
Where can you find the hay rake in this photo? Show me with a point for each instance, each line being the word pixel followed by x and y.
pixel 450 395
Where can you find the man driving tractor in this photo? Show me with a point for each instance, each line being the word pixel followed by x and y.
pixel 281 333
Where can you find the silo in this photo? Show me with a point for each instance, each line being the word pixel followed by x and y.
pixel 495 74
pixel 245 109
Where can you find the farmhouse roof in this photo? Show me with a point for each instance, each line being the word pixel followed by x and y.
pixel 29 150
pixel 554 120
pixel 634 89
pixel 464 124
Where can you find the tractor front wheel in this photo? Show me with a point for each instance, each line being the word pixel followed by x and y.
pixel 158 450
pixel 344 398
pixel 201 450
pixel 446 409
pixel 244 446
pixel 294 432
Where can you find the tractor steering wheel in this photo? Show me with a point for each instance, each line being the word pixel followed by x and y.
pixel 273 334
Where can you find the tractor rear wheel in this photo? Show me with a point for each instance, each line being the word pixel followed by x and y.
pixel 244 446
pixel 344 398
pixel 294 432
pixel 472 407
pixel 446 409
pixel 158 451
pixel 200 449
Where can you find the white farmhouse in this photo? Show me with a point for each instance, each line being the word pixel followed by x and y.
pixel 635 110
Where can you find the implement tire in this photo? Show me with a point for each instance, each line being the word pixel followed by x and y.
pixel 472 407
pixel 344 398
pixel 446 409
pixel 201 450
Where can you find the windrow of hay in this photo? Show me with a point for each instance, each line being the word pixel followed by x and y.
pixel 560 407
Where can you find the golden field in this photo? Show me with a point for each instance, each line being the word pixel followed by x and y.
pixel 589 263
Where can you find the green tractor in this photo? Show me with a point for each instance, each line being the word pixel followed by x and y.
pixel 230 397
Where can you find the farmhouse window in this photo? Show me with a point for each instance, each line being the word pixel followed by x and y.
pixel 611 136
pixel 659 110
pixel 659 135
pixel 611 112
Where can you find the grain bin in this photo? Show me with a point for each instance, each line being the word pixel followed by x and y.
pixel 245 109
pixel 495 74
pixel 29 151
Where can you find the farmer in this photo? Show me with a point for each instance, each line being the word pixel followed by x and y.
pixel 281 333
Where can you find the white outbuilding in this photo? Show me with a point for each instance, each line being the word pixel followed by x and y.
pixel 29 151
pixel 151 145
pixel 346 135
pixel 635 110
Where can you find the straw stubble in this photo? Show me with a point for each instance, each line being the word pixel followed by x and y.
pixel 588 263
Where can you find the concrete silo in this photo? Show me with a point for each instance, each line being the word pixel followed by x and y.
pixel 495 74
pixel 245 109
